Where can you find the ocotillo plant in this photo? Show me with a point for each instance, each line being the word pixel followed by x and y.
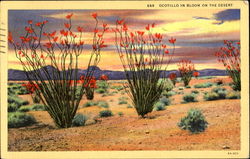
pixel 229 56
pixel 142 55
pixel 90 87
pixel 173 77
pixel 186 68
pixel 58 86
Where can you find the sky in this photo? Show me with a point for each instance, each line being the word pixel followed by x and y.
pixel 199 33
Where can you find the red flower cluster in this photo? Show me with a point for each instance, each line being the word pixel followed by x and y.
pixel 172 76
pixel 196 74
pixel 91 81
pixel 185 66
pixel 31 87
pixel 103 77
pixel 229 55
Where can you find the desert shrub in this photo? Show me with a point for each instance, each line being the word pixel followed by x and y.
pixel 211 96
pixel 12 107
pixel 159 106
pixel 90 103
pixel 189 98
pixel 38 107
pixel 165 101
pixel 79 120
pixel 206 77
pixel 17 100
pixel 195 92
pixel 168 94
pixel 168 85
pixel 217 89
pixel 180 88
pixel 18 89
pixel 129 106
pixel 105 113
pixel 203 85
pixel 233 95
pixel 19 119
pixel 195 122
pixel 120 113
pixel 103 84
pixel 118 88
pixel 122 100
pixel 24 109
pixel 219 82
pixel 100 90
pixel 103 104
pixel 187 86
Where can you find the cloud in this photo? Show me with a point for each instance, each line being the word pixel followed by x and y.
pixel 223 16
pixel 228 15
pixel 205 18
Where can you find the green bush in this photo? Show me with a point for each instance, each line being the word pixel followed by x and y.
pixel 211 96
pixel 118 88
pixel 17 89
pixel 195 122
pixel 168 94
pixel 19 119
pixel 14 103
pixel 203 85
pixel 129 106
pixel 180 88
pixel 105 113
pixel 24 109
pixel 120 113
pixel 103 104
pixel 102 84
pixel 165 101
pixel 233 95
pixel 90 103
pixel 17 100
pixel 195 92
pixel 159 106
pixel 79 120
pixel 168 85
pixel 187 86
pixel 100 90
pixel 189 98
pixel 206 77
pixel 222 94
pixel 12 107
pixel 38 107
pixel 217 89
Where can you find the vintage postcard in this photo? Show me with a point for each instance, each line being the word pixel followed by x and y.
pixel 124 79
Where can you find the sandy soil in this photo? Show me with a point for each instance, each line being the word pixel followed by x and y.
pixel 159 131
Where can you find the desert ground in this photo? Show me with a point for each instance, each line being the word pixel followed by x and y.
pixel 126 131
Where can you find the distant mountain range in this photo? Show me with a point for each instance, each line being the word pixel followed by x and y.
pixel 18 75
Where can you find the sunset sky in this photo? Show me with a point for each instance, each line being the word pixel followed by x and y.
pixel 199 32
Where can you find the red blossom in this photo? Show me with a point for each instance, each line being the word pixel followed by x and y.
pixel 46 21
pixel 94 15
pixel 67 25
pixel 104 25
pixel 48 45
pixel 96 31
pixel 29 29
pixel 80 29
pixel 103 77
pixel 172 40
pixel 69 16
pixel 30 21
pixel 10 37
pixel 39 24
pixel 196 74
pixel 147 27
pixel 166 52
pixel 140 33
pixel 120 21
pixel 172 76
